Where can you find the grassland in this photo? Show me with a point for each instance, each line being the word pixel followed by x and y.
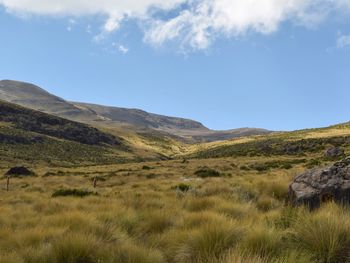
pixel 163 211
pixel 222 202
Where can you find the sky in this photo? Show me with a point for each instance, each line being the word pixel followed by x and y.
pixel 274 64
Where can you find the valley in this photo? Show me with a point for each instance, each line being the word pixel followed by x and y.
pixel 107 190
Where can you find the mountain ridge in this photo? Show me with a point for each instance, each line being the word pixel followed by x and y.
pixel 34 97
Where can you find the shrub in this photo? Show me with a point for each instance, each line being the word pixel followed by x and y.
pixel 287 166
pixel 72 192
pixel 313 163
pixel 182 187
pixel 145 167
pixel 207 172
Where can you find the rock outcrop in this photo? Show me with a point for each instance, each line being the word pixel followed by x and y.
pixel 318 186
pixel 334 152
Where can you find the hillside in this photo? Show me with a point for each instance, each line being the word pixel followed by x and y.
pixel 295 143
pixel 31 96
pixel 31 136
pixel 45 124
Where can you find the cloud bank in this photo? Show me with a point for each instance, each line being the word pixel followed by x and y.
pixel 192 24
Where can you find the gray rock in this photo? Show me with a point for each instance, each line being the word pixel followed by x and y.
pixel 334 152
pixel 317 186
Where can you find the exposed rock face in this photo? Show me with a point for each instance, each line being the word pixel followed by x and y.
pixel 317 186
pixel 19 171
pixel 334 152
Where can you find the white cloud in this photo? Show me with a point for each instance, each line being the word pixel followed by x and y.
pixel 123 49
pixel 343 41
pixel 193 23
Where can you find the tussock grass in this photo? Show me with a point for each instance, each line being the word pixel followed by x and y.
pixel 223 219
pixel 325 234
pixel 262 242
pixel 209 242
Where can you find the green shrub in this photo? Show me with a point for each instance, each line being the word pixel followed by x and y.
pixel 207 172
pixel 182 187
pixel 72 192
pixel 286 166
pixel 313 163
pixel 145 167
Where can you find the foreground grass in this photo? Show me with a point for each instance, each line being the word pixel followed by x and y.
pixel 167 214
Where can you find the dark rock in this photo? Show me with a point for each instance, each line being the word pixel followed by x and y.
pixel 318 186
pixel 19 171
pixel 334 152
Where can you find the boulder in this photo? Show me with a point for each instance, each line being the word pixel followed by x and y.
pixel 334 152
pixel 19 171
pixel 318 186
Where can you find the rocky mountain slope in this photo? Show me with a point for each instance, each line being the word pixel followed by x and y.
pixel 33 97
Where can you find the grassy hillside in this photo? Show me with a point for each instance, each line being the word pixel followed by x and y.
pixel 297 143
pixel 28 136
pixel 35 121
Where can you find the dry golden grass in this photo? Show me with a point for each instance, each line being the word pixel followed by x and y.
pixel 138 215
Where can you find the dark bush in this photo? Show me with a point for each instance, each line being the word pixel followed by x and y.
pixel 207 172
pixel 72 192
pixel 19 171
pixel 313 163
pixel 286 166
pixel 182 187
pixel 244 168
pixel 152 176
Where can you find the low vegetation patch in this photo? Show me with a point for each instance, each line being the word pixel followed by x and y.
pixel 278 164
pixel 72 192
pixel 182 187
pixel 207 172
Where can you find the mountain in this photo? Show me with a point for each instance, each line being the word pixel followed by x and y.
pixel 30 136
pixel 34 97
pixel 42 123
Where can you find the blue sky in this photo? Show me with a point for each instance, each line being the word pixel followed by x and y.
pixel 284 69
